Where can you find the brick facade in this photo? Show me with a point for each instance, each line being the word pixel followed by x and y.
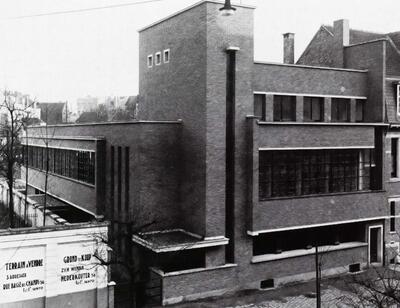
pixel 183 177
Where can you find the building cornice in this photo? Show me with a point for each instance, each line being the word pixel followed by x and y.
pixel 322 124
pixel 368 42
pixel 313 67
pixel 179 121
pixel 189 8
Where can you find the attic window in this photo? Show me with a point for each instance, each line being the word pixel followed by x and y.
pixel 150 61
pixel 166 56
pixel 398 98
pixel 158 58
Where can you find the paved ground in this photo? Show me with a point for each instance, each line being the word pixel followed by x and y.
pixel 301 295
pixel 331 297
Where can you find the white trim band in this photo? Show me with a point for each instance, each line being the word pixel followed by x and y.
pixel 317 148
pixel 310 95
pixel 256 233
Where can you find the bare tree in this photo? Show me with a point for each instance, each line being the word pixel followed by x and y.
pixel 17 114
pixel 378 286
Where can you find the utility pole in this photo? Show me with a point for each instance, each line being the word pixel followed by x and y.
pixel 26 174
pixel 317 276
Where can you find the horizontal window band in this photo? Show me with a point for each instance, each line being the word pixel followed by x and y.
pixel 91 185
pixel 311 95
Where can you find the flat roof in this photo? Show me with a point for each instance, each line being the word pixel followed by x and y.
pixel 312 67
pixel 189 8
pixel 179 121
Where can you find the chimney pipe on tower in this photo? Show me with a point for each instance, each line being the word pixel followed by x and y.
pixel 288 48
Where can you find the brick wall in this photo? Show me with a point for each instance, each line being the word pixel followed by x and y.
pixel 292 79
pixel 317 210
pixel 178 90
pixel 154 152
pixel 319 52
pixel 370 56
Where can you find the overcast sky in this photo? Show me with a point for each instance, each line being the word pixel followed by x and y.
pixel 62 57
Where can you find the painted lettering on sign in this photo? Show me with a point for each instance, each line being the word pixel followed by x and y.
pixel 22 276
pixel 79 267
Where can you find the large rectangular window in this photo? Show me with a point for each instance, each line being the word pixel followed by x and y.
pixel 78 165
pixel 308 172
pixel 284 108
pixel 340 110
pixel 280 242
pixel 313 109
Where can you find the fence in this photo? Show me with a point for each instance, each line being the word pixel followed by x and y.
pixel 30 214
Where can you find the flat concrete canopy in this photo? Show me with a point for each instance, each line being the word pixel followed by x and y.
pixel 176 239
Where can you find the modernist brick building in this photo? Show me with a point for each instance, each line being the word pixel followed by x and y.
pixel 237 168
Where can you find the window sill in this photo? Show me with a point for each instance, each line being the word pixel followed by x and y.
pixel 394 180
pixel 191 271
pixel 322 195
pixel 305 252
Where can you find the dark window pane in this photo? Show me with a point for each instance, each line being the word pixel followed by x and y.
pixel 340 110
pixel 392 218
pixel 317 109
pixel 307 111
pixel 360 110
pixel 259 106
pixel 313 108
pixel 284 108
pixel 394 152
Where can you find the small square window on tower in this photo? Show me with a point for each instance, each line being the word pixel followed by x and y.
pixel 166 56
pixel 158 58
pixel 150 61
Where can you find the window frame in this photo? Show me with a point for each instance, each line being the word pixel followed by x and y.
pixel 74 164
pixel 278 110
pixel 158 59
pixel 166 52
pixel 360 102
pixel 392 216
pixel 394 150
pixel 335 106
pixel 262 107
pixel 305 172
pixel 398 97
pixel 150 61
pixel 310 100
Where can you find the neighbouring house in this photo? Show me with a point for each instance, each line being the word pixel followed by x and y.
pixel 236 169
pixel 87 103
pixel 53 113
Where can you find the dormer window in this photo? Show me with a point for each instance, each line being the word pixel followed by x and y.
pixel 150 61
pixel 158 58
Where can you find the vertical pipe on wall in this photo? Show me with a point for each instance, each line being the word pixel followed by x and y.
pixel 230 154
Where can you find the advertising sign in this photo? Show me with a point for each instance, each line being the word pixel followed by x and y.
pixel 78 267
pixel 22 273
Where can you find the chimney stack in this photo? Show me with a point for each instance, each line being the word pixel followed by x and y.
pixel 288 48
pixel 341 31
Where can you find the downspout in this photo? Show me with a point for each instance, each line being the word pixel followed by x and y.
pixel 230 154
